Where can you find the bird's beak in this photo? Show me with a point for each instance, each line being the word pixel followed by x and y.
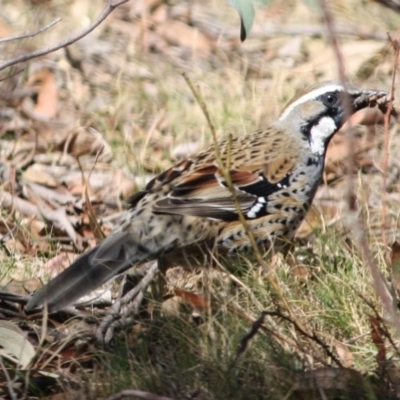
pixel 360 99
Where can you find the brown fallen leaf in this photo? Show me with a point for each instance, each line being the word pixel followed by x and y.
pixel 377 336
pixel 22 287
pixel 196 300
pixel 178 33
pixel 34 173
pixel 346 356
pixel 57 264
pixel 314 220
pixel 47 98
pixel 94 225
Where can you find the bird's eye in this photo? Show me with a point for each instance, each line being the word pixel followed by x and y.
pixel 330 99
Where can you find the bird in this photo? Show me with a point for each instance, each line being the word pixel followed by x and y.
pixel 263 182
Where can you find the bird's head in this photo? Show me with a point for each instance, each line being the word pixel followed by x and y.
pixel 317 113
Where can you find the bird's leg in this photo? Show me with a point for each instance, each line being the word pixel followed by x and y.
pixel 125 308
pixel 159 286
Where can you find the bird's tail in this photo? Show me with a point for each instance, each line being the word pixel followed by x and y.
pixel 95 267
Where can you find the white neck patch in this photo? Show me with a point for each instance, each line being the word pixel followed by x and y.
pixel 319 134
pixel 310 96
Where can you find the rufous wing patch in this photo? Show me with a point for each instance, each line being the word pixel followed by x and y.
pixel 170 174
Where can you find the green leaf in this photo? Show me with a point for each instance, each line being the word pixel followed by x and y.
pixel 246 12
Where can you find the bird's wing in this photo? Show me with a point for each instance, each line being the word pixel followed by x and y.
pixel 255 167
pixel 209 192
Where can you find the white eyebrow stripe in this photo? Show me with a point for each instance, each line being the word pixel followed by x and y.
pixel 310 96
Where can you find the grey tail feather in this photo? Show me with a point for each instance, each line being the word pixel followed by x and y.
pixel 93 268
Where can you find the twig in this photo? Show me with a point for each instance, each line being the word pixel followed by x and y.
pixel 257 325
pixel 138 394
pixel 18 204
pixel 108 9
pixel 312 337
pixel 389 4
pixel 28 35
pixel 380 319
pixel 57 217
pixel 14 73
pixel 10 382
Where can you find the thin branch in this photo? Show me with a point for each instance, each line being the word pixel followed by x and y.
pixel 28 35
pixel 244 343
pixel 108 9
pixel 10 382
pixel 393 5
pixel 18 71
pixel 313 337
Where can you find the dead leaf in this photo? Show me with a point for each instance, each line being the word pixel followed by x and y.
pixel 196 300
pixel 301 273
pixel 14 345
pixel 22 287
pixel 47 98
pixel 32 284
pixel 94 225
pixel 36 174
pixel 312 221
pixel 172 306
pixel 178 33
pixel 377 336
pixel 346 357
pixel 57 264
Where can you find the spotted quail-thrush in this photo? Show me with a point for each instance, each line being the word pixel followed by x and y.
pixel 274 173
